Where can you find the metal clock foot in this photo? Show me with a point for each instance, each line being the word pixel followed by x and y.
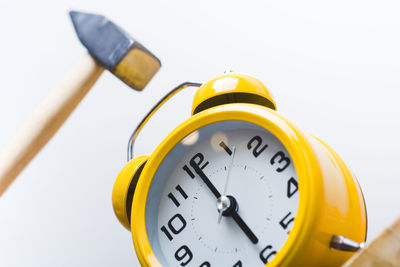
pixel 345 244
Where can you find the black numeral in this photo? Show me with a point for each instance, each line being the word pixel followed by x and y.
pixel 205 264
pixel 180 227
pixel 182 253
pixel 238 264
pixel 173 198
pixel 166 232
pixel 257 150
pixel 198 159
pixel 176 224
pixel 282 158
pixel 188 171
pixel 292 187
pixel 266 254
pixel 286 221
pixel 226 148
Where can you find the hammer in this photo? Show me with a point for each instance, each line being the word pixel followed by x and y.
pixel 109 47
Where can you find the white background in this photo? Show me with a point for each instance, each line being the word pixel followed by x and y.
pixel 333 67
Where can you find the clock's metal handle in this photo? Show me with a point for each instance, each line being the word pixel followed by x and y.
pixel 153 110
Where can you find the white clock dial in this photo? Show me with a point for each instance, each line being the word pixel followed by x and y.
pixel 182 215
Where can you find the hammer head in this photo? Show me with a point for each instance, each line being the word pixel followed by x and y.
pixel 113 48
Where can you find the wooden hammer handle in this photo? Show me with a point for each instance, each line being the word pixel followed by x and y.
pixel 383 251
pixel 47 118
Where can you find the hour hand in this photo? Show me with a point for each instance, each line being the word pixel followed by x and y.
pixel 236 217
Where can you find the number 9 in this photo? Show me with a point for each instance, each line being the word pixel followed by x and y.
pixel 179 256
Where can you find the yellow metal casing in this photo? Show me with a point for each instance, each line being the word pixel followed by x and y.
pixel 330 200
pixel 232 88
pixel 124 187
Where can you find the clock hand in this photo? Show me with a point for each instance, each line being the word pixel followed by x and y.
pixel 233 213
pixel 245 228
pixel 205 179
pixel 224 203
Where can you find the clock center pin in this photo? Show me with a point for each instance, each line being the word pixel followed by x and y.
pixel 223 203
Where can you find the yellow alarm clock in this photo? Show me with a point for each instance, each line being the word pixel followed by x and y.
pixel 237 184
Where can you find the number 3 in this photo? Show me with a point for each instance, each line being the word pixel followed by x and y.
pixel 282 157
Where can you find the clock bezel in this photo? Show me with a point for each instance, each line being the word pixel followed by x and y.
pixel 297 145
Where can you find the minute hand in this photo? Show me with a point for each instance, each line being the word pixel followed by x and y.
pixel 203 177
pixel 235 216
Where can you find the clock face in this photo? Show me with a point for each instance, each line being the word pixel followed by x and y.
pixel 226 195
